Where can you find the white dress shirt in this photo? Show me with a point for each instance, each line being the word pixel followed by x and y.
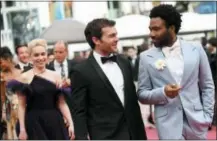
pixel 57 67
pixel 114 75
pixel 174 61
pixel 22 65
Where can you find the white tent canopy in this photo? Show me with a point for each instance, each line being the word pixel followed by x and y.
pixel 138 25
pixel 198 22
pixel 132 25
pixel 68 30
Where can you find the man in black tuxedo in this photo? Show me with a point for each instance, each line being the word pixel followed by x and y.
pixel 104 101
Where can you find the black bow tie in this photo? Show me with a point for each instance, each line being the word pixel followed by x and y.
pixel 27 66
pixel 112 58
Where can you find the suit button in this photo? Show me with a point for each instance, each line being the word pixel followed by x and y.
pixel 180 108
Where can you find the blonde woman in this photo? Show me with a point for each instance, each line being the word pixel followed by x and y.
pixel 42 106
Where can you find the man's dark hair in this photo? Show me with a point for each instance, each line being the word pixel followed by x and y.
pixel 213 41
pixel 19 46
pixel 203 41
pixel 169 14
pixel 5 53
pixel 94 29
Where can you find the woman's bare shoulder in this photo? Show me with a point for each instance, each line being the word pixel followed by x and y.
pixel 18 72
pixel 54 74
pixel 26 77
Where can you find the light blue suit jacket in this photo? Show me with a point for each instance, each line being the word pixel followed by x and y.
pixel 196 97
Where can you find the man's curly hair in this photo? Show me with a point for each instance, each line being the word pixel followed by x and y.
pixel 169 14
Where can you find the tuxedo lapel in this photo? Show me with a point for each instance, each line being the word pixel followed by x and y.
pixel 69 67
pixel 104 78
pixel 190 60
pixel 125 77
pixel 52 65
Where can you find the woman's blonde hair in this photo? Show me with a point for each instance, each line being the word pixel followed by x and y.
pixel 35 43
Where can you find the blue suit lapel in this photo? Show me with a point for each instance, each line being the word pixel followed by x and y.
pixel 190 58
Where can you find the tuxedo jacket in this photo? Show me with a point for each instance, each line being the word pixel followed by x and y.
pixel 96 107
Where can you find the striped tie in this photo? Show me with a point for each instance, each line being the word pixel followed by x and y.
pixel 62 71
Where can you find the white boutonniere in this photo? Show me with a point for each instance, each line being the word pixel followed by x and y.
pixel 160 64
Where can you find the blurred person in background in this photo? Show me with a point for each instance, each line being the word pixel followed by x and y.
pixel 23 58
pixel 212 49
pixel 62 66
pixel 50 55
pixel 204 42
pixel 169 74
pixel 8 72
pixel 132 56
pixel 83 55
pixel 87 53
pixel 60 63
pixel 143 47
pixel 7 66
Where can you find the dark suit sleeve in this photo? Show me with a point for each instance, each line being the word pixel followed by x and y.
pixel 79 104
pixel 129 65
pixel 50 66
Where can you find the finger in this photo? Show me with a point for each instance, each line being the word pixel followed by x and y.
pixel 70 132
pixel 72 136
pixel 179 88
pixel 176 94
pixel 57 84
pixel 173 95
pixel 176 91
pixel 67 124
pixel 173 85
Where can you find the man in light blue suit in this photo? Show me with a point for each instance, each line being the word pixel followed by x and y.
pixel 175 76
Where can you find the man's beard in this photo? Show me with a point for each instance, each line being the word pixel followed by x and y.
pixel 164 41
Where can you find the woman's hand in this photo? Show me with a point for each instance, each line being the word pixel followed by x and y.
pixel 23 135
pixel 66 82
pixel 71 132
pixel 59 84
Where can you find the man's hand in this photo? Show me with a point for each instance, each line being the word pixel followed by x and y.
pixel 172 90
